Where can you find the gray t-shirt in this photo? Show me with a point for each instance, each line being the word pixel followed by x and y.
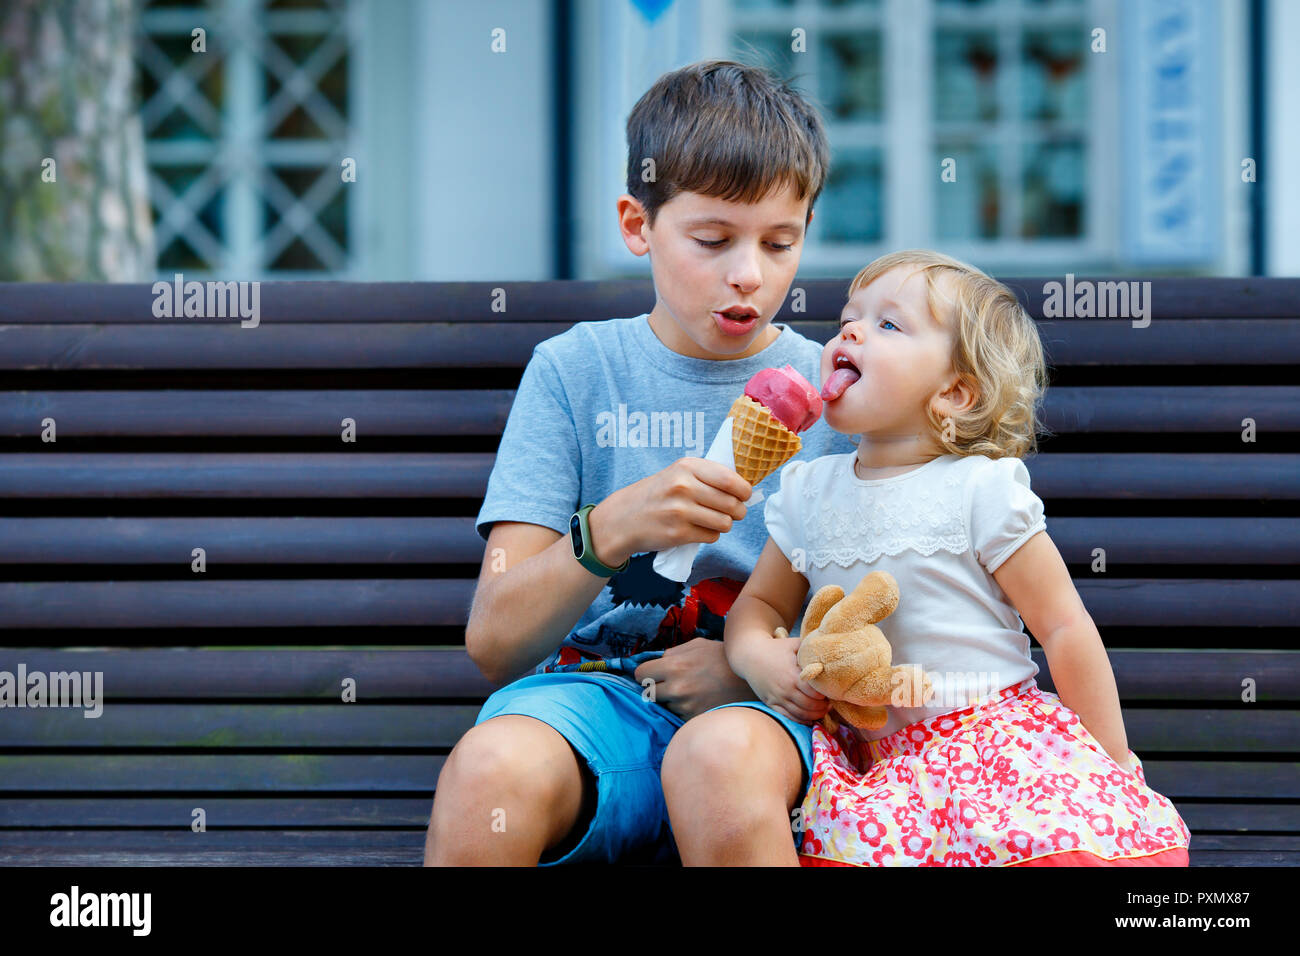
pixel 604 405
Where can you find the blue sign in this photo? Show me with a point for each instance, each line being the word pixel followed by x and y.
pixel 1171 160
pixel 650 9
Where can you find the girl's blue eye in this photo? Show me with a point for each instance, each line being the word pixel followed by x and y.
pixel 883 321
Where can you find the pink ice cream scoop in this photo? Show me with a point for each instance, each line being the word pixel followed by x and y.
pixel 787 395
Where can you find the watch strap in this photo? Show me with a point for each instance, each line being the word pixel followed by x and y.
pixel 588 557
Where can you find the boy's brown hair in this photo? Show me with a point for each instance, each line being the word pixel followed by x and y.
pixel 727 130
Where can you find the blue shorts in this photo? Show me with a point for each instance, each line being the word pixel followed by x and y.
pixel 622 737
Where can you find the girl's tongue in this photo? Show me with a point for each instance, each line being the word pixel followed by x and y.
pixel 839 380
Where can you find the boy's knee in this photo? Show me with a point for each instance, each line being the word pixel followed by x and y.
pixel 725 746
pixel 506 759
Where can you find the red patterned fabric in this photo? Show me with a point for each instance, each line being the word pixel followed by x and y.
pixel 1015 779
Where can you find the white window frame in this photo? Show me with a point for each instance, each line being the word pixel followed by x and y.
pixel 613 44
pixel 909 186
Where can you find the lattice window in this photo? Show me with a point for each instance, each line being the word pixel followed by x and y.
pixel 245 141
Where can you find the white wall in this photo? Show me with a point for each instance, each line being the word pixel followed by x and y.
pixel 1282 172
pixel 482 158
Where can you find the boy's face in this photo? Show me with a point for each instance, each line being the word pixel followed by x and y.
pixel 750 261
pixel 903 352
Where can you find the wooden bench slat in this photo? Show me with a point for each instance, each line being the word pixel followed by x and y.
pixel 283 673
pixel 212 848
pixel 453 540
pixel 1195 674
pixel 372 602
pixel 245 475
pixel 1124 477
pixel 262 412
pixel 456 412
pixel 1223 858
pixel 1223 779
pixel 377 602
pixel 219 726
pixel 1120 477
pixel 223 344
pixel 34 853
pixel 433 674
pixel 378 811
pixel 381 727
pixel 136 773
pixel 1187 602
pixel 1173 298
pixel 1237 816
pixel 1139 540
pixel 342 540
pixel 1069 410
pixel 287 812
pixel 220 773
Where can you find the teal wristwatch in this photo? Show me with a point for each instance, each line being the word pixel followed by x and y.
pixel 580 532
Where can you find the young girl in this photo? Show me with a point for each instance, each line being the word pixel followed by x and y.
pixel 940 370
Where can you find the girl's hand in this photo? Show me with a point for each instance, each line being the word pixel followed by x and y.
pixel 772 672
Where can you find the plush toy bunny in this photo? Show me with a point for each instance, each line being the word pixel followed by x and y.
pixel 846 657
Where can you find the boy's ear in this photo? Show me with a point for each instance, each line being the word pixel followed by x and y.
pixel 632 223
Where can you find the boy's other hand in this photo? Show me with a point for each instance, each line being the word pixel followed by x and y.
pixel 694 677
pixel 692 500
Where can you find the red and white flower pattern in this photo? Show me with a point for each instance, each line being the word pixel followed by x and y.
pixel 1013 778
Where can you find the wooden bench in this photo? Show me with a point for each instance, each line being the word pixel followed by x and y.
pixel 328 560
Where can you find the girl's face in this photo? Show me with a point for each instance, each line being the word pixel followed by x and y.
pixel 904 355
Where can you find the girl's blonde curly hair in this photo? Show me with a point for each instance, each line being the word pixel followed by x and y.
pixel 996 349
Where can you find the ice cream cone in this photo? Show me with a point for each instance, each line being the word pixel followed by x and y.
pixel 760 443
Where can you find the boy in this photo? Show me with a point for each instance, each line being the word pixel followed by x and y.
pixel 590 482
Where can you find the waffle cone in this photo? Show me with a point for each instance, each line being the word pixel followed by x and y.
pixel 761 444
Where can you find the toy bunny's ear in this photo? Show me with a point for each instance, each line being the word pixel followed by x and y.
pixel 874 599
pixel 825 599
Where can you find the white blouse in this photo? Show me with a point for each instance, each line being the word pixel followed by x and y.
pixel 941 530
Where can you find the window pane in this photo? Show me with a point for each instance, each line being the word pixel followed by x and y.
pixel 966 65
pixel 850 75
pixel 1054 181
pixel 968 207
pixel 1052 78
pixel 850 209
pixel 765 48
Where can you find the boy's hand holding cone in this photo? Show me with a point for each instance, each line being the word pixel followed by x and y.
pixel 759 435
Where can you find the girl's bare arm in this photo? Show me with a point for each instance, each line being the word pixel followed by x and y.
pixel 1038 584
pixel 771 598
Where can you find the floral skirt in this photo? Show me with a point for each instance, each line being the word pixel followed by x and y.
pixel 1014 779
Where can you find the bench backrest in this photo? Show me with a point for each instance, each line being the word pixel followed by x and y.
pixel 178 434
